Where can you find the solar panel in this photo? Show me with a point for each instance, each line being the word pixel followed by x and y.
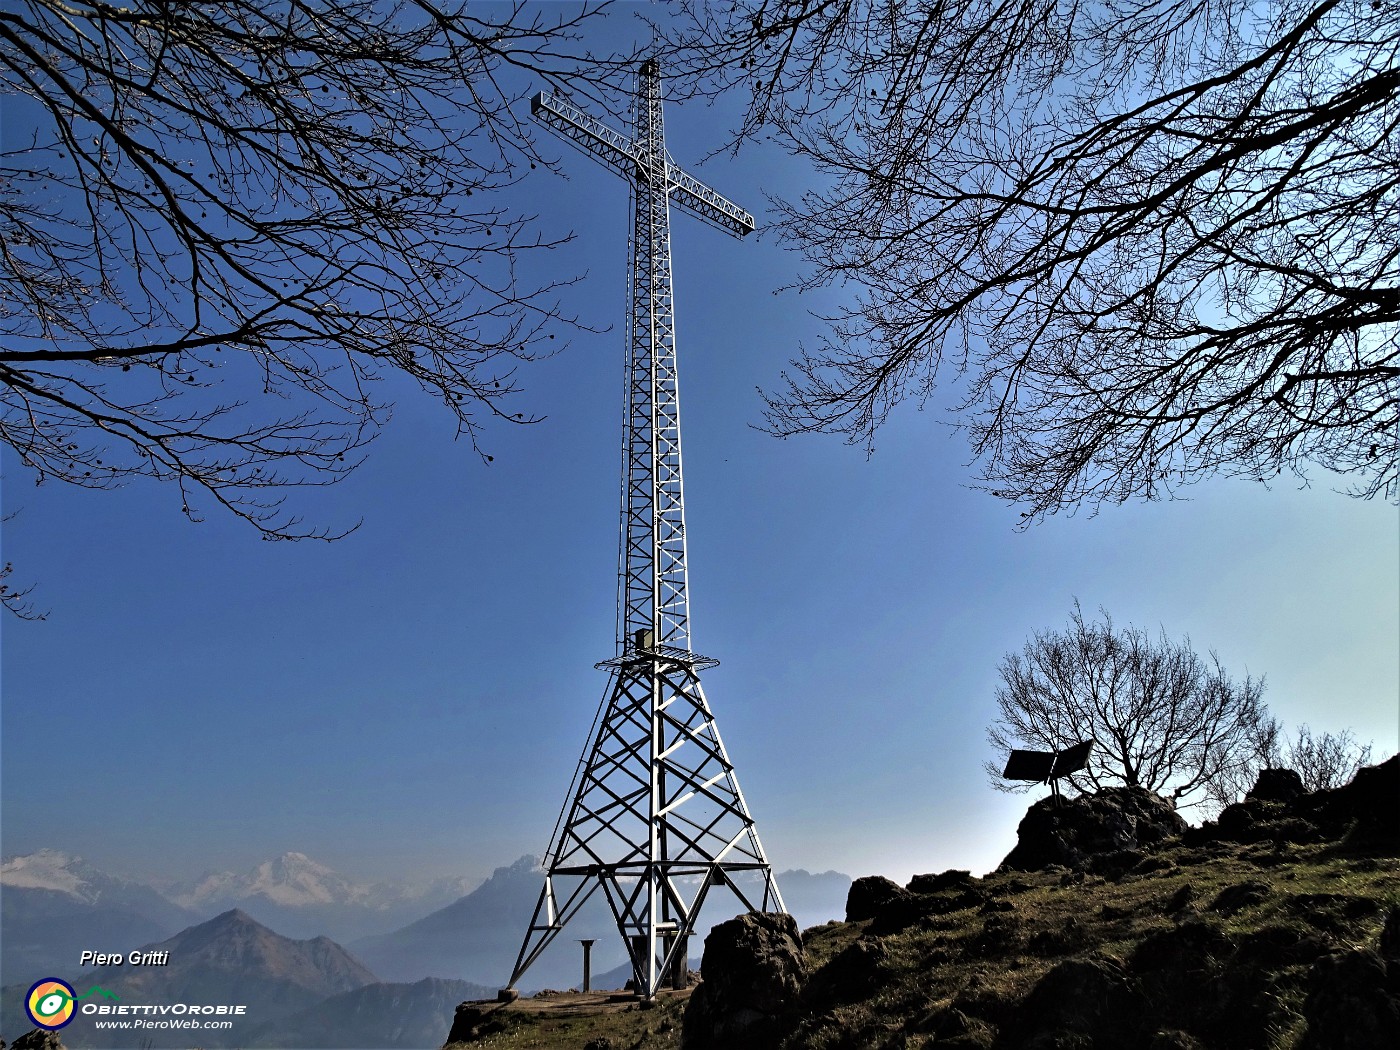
pixel 1028 765
pixel 1072 759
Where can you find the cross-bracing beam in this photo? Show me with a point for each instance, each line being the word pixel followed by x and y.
pixel 654 816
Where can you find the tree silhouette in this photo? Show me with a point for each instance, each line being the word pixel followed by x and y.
pixel 1161 717
pixel 223 222
pixel 1323 761
pixel 1157 240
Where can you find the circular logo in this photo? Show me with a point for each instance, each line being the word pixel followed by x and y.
pixel 50 1003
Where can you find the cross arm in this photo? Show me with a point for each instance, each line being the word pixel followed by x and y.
pixel 592 136
pixel 698 199
pixel 625 157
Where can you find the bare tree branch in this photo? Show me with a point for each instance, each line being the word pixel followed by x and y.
pixel 1157 240
pixel 1161 717
pixel 224 222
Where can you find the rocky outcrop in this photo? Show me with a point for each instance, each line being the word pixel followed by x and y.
pixel 869 895
pixel 752 973
pixel 38 1039
pixel 1276 785
pixel 1362 812
pixel 1080 1002
pixel 475 1019
pixel 1349 1006
pixel 1074 832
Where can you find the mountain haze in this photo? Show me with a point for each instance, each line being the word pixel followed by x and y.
pixel 377 1016
pixel 477 937
pixel 304 898
pixel 53 905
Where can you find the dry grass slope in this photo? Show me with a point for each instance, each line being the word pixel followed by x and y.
pixel 1202 943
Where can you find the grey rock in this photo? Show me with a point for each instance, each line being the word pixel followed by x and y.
pixel 752 973
pixel 870 895
pixel 1074 832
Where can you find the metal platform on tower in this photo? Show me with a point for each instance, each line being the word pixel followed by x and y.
pixel 654 816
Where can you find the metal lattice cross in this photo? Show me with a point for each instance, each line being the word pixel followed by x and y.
pixel 654 817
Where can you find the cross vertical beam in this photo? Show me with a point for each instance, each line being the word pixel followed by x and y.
pixel 654 816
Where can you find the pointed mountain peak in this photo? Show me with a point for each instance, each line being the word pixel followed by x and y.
pixel 234 917
pixel 233 946
pixel 526 865
pixel 233 920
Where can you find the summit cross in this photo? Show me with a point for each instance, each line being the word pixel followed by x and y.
pixel 654 815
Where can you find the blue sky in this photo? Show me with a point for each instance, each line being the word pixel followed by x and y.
pixel 410 701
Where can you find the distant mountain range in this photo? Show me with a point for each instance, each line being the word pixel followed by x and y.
pixel 478 936
pixel 54 905
pixel 45 892
pixel 442 942
pixel 302 898
pixel 295 993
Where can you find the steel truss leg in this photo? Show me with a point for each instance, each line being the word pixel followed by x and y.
pixel 656 819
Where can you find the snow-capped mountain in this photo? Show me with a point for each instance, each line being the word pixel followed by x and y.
pixel 293 880
pixel 55 904
pixel 60 873
pixel 301 897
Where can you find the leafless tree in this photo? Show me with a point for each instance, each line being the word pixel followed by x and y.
pixel 1322 760
pixel 223 222
pixel 1161 717
pixel 1158 240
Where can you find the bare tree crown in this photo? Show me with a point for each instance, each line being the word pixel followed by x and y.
pixel 222 223
pixel 1159 241
pixel 1161 716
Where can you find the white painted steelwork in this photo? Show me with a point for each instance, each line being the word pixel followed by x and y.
pixel 654 815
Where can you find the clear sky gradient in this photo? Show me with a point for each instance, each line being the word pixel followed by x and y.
pixel 410 701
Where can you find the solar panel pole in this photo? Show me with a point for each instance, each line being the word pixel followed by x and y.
pixel 654 816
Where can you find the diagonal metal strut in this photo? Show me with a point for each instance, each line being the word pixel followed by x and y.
pixel 654 817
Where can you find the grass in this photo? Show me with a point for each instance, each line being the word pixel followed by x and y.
pixel 1187 923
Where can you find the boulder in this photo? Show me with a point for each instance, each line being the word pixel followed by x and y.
pixel 951 1028
pixel 1073 832
pixel 1236 898
pixel 1081 1002
pixel 869 895
pixel 473 1020
pixel 1276 785
pixel 952 879
pixel 853 972
pixel 751 975
pixel 1347 1006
